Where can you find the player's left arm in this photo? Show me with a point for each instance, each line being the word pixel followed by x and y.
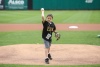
pixel 54 29
pixel 57 35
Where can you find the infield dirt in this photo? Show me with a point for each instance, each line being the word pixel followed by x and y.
pixel 66 54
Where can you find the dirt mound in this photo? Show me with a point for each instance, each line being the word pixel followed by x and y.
pixel 67 54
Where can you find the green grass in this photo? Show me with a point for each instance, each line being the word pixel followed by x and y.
pixel 12 65
pixel 82 16
pixel 34 37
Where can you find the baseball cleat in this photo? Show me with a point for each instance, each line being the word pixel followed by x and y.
pixel 47 61
pixel 49 56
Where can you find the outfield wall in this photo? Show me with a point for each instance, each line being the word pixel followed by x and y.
pixel 50 4
pixel 14 4
pixel 66 4
pixel 17 4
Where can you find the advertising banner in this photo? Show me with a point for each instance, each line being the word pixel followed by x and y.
pixel 1 4
pixel 15 4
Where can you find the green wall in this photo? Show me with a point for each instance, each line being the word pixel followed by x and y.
pixel 66 4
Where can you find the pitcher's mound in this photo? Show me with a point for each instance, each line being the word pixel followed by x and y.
pixel 62 54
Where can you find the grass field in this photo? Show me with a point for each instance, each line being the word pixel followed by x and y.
pixel 34 37
pixel 10 65
pixel 59 16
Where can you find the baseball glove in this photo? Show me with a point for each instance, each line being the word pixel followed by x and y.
pixel 57 35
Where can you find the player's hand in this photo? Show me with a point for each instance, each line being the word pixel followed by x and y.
pixel 42 9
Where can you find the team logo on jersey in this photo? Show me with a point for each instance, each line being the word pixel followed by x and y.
pixel 49 28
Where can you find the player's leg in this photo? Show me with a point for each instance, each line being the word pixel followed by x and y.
pixel 46 52
pixel 47 47
pixel 49 55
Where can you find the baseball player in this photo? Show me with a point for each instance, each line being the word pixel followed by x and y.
pixel 48 28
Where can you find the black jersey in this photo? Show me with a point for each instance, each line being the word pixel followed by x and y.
pixel 48 28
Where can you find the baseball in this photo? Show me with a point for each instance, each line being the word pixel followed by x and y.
pixel 42 9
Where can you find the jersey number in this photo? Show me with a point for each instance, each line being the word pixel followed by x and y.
pixel 48 36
